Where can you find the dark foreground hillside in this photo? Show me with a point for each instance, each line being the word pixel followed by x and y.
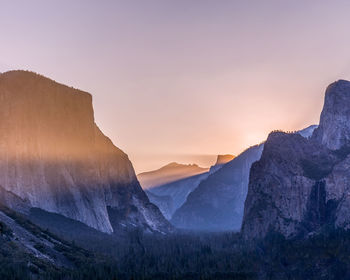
pixel 29 252
pixel 135 255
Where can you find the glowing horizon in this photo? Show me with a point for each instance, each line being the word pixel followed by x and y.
pixel 185 80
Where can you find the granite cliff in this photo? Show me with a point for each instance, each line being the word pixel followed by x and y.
pixel 301 185
pixel 54 157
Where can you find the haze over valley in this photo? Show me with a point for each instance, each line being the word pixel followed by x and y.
pixel 154 140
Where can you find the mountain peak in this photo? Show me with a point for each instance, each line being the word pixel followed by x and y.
pixel 341 82
pixel 222 159
pixel 23 78
pixel 297 178
pixel 169 173
pixel 334 128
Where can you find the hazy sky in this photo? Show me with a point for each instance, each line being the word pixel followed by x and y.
pixel 174 79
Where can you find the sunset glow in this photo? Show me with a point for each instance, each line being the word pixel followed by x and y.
pixel 185 80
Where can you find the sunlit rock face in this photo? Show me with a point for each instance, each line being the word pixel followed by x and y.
pixel 53 156
pixel 221 160
pixel 218 201
pixel 302 184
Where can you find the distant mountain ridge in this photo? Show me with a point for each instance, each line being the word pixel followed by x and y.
pixel 170 196
pixel 169 173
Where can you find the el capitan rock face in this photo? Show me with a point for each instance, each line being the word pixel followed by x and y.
pixel 54 157
pixel 302 184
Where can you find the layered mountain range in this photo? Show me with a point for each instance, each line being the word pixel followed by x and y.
pixel 180 180
pixel 169 173
pixel 169 197
pixel 54 157
pixel 301 185
pixel 217 203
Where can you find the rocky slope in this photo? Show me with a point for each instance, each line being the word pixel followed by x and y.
pixel 54 157
pixel 302 184
pixel 29 252
pixel 31 240
pixel 217 203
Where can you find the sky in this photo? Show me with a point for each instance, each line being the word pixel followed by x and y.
pixel 185 80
